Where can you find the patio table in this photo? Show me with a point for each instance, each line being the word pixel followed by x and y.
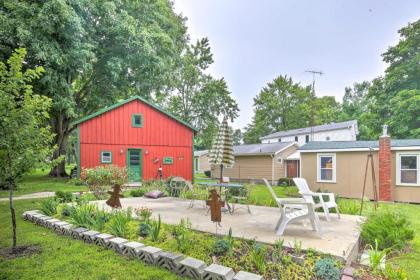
pixel 222 185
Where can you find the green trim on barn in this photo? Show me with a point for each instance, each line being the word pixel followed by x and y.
pixel 78 151
pixel 133 120
pixel 107 109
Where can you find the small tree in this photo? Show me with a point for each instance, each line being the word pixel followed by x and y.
pixel 25 138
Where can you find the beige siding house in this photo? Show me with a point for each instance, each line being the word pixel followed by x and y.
pixel 201 161
pixel 339 167
pixel 257 161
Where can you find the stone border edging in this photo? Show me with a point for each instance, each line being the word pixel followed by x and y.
pixel 175 262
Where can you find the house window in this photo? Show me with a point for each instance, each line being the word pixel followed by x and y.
pixel 279 139
pixel 280 160
pixel 296 139
pixel 326 168
pixel 106 157
pixel 327 138
pixel 408 171
pixel 306 138
pixel 137 120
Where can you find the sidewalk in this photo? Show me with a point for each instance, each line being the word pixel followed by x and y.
pixel 30 196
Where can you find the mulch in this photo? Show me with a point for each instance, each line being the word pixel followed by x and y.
pixel 19 251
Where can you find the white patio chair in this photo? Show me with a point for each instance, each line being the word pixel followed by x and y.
pixel 293 209
pixel 309 195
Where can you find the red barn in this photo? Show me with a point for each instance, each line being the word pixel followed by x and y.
pixel 138 135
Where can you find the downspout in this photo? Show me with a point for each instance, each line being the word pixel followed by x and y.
pixel 272 168
pixel 78 150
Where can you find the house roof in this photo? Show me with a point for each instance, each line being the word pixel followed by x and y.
pixel 151 104
pixel 201 153
pixel 311 129
pixel 357 145
pixel 261 149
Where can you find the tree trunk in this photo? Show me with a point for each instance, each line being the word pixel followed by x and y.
pixel 12 213
pixel 60 126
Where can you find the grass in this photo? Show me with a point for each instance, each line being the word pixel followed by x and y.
pixel 64 258
pixel 39 181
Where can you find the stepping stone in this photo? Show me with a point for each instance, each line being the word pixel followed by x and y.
pixel 169 260
pixel 192 268
pixel 242 275
pixel 103 239
pixel 148 254
pixel 117 244
pixel 90 236
pixel 27 214
pixel 218 272
pixel 42 220
pixel 59 225
pixel 76 233
pixel 132 249
pixel 50 223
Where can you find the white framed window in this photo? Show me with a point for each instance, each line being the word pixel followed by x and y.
pixel 279 160
pixel 326 168
pixel 408 169
pixel 106 157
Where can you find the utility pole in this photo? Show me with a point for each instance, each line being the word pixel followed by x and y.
pixel 312 122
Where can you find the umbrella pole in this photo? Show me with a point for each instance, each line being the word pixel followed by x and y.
pixel 221 173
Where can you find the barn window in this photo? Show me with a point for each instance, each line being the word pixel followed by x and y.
pixel 408 171
pixel 106 157
pixel 137 120
pixel 326 168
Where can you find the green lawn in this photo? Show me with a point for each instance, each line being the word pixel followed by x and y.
pixel 39 181
pixel 65 258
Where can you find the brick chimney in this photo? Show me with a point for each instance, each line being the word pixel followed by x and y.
pixel 385 188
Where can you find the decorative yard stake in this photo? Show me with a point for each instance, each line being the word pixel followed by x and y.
pixel 215 204
pixel 114 200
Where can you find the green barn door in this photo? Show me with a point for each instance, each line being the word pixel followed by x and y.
pixel 134 165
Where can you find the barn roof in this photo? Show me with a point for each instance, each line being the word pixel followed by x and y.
pixel 112 107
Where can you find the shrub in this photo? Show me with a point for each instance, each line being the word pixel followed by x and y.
pixel 137 192
pixel 349 206
pixel 325 269
pixel 49 207
pixel 100 178
pixel 144 213
pixel 207 173
pixel 66 210
pixel 118 224
pixel 155 227
pixel 258 256
pixel 144 229
pixel 63 197
pixel 83 215
pixel 393 273
pixel 100 218
pixel 182 235
pixel 285 182
pixel 221 246
pixel 392 230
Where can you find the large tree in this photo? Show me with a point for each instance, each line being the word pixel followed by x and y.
pixel 94 52
pixel 25 138
pixel 282 104
pixel 197 97
pixel 394 98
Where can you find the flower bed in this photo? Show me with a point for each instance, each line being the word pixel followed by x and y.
pixel 273 262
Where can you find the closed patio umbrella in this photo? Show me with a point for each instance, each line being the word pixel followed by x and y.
pixel 221 152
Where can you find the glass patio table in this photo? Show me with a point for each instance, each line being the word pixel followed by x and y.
pixel 222 185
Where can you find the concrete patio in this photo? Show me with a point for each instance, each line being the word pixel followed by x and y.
pixel 340 237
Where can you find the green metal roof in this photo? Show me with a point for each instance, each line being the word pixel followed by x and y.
pixel 107 109
pixel 338 145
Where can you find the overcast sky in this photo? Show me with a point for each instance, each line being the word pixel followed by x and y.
pixel 255 41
